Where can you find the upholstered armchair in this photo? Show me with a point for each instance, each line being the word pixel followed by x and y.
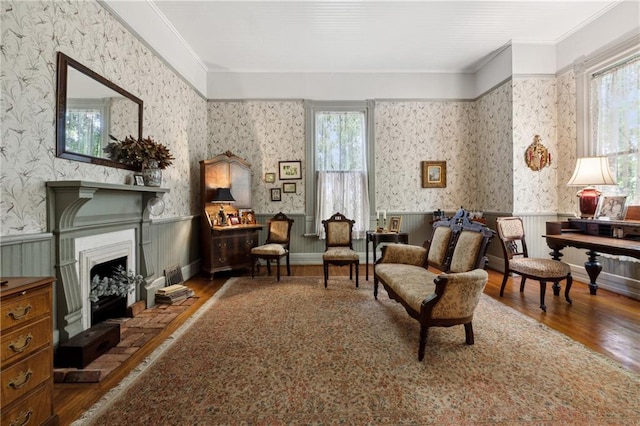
pixel 276 245
pixel 517 260
pixel 339 245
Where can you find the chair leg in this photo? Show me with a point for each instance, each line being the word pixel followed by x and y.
pixel 351 271
pixel 522 284
pixel 468 333
pixel 288 265
pixel 423 341
pixel 357 267
pixel 326 273
pixel 253 265
pixel 543 290
pixel 375 287
pixel 566 290
pixel 278 269
pixel 504 282
pixel 269 267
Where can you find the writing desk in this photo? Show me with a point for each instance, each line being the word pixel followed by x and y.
pixel 597 237
pixel 377 238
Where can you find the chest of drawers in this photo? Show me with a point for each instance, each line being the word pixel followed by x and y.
pixel 26 351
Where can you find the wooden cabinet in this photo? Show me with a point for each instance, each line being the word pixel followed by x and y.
pixel 26 354
pixel 226 247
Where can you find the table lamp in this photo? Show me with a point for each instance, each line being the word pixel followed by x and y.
pixel 223 196
pixel 590 171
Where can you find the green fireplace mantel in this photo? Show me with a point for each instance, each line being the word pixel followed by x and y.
pixel 79 209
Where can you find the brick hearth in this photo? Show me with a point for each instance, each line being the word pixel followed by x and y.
pixel 135 332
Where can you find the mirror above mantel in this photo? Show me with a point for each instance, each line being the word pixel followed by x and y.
pixel 90 110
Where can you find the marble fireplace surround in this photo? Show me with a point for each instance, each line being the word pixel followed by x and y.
pixel 80 210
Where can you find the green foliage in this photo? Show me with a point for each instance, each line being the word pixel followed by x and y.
pixel 140 153
pixel 119 284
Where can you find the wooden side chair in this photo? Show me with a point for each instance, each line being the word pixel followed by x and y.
pixel 339 245
pixel 517 260
pixel 276 245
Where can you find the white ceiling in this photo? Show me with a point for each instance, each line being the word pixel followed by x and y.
pixel 367 35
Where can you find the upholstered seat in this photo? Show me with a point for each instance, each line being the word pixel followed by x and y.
pixel 517 260
pixel 276 245
pixel 339 245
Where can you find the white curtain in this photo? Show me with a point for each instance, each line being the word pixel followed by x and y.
pixel 615 118
pixel 344 192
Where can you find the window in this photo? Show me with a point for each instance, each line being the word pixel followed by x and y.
pixel 86 126
pixel 615 122
pixel 339 152
pixel 608 113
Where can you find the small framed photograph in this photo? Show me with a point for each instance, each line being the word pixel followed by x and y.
pixel 247 216
pixel 612 207
pixel 290 170
pixel 234 219
pixel 289 187
pixel 276 194
pixel 270 177
pixel 138 180
pixel 394 223
pixel 434 174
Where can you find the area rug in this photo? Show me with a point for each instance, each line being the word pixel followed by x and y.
pixel 267 353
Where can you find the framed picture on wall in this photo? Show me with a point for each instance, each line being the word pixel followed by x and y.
pixel 276 194
pixel 289 187
pixel 290 170
pixel 434 174
pixel 269 177
pixel 611 207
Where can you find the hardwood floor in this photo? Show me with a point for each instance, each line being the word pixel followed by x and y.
pixel 607 323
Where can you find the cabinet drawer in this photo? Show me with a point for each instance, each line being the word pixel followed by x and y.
pixel 24 341
pixel 36 409
pixel 21 378
pixel 21 308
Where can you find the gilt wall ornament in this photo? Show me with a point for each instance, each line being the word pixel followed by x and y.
pixel 537 156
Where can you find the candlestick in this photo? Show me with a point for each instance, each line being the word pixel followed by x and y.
pixel 384 215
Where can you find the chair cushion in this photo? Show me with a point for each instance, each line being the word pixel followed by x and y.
pixel 269 250
pixel 404 253
pixel 340 253
pixel 466 252
pixel 542 268
pixel 338 233
pixel 278 231
pixel 439 245
pixel 411 283
pixel 461 294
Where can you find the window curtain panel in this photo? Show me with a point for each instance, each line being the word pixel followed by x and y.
pixel 615 118
pixel 338 192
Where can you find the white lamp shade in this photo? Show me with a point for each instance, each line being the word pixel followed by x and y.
pixel 592 171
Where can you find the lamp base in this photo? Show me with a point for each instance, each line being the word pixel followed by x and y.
pixel 589 197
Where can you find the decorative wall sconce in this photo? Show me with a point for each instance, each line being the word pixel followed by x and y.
pixel 537 156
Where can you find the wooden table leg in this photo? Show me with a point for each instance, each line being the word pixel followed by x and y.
pixel 593 268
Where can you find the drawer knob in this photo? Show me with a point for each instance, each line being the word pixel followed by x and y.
pixel 19 312
pixel 21 343
pixel 23 418
pixel 21 380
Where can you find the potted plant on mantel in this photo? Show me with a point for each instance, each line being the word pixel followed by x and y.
pixel 108 295
pixel 145 154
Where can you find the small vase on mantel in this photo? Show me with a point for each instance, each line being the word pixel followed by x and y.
pixel 152 174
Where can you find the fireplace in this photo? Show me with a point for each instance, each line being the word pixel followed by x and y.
pixel 94 223
pixel 97 254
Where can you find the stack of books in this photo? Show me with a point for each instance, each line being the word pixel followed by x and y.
pixel 173 293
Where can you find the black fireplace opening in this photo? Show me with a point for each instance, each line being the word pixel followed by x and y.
pixel 108 307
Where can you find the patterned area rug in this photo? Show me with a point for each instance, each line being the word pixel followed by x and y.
pixel 269 353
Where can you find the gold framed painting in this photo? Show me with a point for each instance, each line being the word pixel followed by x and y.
pixel 394 223
pixel 434 174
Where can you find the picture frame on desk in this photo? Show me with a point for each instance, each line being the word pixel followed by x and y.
pixel 611 207
pixel 394 223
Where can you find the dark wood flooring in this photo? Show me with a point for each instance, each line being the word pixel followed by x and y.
pixel 607 323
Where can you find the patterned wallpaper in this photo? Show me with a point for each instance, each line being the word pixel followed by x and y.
pixel 262 133
pixel 534 113
pixel 567 142
pixel 410 132
pixel 32 34
pixel 494 145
